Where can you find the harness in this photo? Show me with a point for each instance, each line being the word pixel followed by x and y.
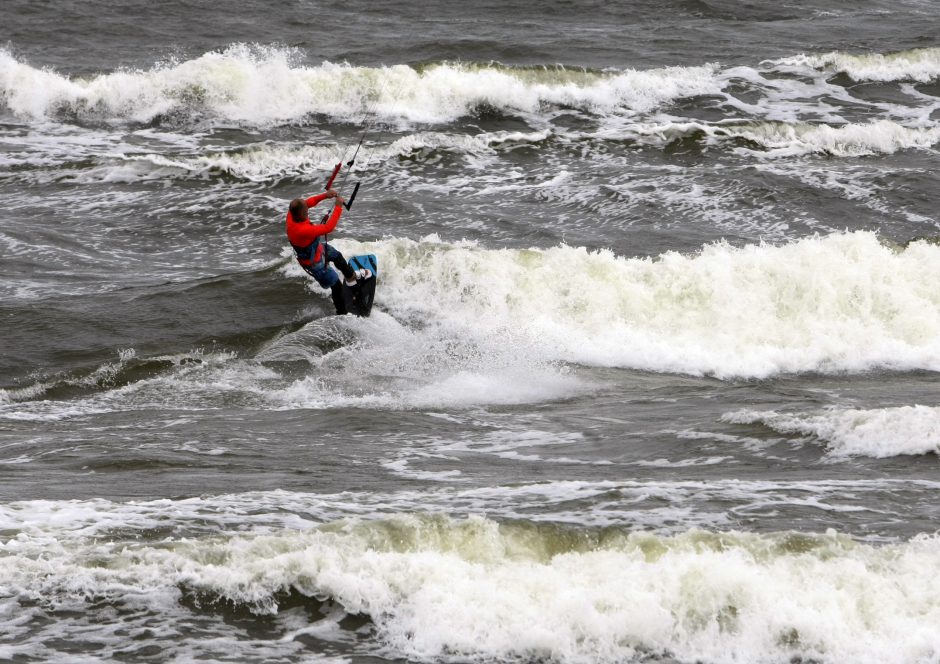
pixel 313 256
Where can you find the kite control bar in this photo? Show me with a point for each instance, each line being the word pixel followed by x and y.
pixel 329 183
pixel 349 203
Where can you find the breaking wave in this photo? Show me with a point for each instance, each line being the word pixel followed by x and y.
pixel 780 139
pixel 457 325
pixel 920 64
pixel 258 85
pixel 843 302
pixel 474 589
pixel 265 162
pixel 878 433
pixel 268 161
pixel 773 139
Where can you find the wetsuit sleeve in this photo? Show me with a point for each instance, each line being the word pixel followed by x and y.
pixel 315 200
pixel 331 222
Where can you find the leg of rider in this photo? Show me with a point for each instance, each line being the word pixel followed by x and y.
pixel 327 278
pixel 339 300
pixel 337 259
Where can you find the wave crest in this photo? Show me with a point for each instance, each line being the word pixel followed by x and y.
pixel 844 302
pixel 920 64
pixel 878 433
pixel 437 587
pixel 258 85
pixel 782 139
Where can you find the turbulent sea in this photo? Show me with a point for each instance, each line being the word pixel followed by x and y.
pixel 652 374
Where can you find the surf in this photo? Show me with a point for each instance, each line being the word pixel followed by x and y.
pixel 877 433
pixel 920 64
pixel 433 587
pixel 838 303
pixel 265 85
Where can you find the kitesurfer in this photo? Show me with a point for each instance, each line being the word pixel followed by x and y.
pixel 314 253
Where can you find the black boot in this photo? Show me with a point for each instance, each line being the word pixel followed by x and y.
pixel 339 299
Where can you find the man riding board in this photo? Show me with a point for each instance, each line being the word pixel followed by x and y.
pixel 314 253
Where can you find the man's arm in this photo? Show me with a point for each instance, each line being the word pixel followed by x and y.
pixel 319 198
pixel 333 220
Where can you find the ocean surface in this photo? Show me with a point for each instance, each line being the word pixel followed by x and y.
pixel 652 374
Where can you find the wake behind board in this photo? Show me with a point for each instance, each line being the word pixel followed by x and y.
pixel 358 299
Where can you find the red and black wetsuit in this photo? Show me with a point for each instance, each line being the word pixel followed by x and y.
pixel 309 239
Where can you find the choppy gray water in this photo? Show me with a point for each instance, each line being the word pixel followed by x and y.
pixel 652 373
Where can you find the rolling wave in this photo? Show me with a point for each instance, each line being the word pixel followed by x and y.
pixel 784 139
pixel 269 161
pixel 844 302
pixel 920 64
pixel 879 433
pixel 764 139
pixel 436 587
pixel 274 161
pixel 261 86
pixel 458 326
pixel 264 86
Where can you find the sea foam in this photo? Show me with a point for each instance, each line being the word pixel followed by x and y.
pixel 259 85
pixel 269 161
pixel 920 64
pixel 844 302
pixel 878 433
pixel 784 139
pixel 475 589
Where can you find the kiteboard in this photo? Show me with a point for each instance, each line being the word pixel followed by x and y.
pixel 358 299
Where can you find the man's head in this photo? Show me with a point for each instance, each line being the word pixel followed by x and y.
pixel 298 209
